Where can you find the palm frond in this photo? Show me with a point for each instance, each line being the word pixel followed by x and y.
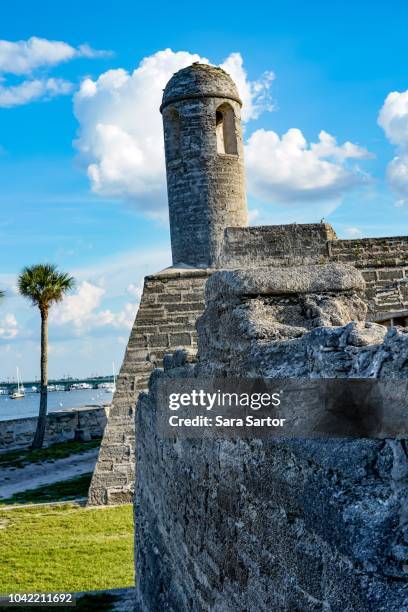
pixel 44 284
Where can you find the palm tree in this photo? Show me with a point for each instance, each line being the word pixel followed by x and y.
pixel 43 285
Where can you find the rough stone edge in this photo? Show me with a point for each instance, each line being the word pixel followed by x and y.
pixel 284 281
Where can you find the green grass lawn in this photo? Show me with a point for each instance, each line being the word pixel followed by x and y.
pixel 66 548
pixel 20 458
pixel 74 488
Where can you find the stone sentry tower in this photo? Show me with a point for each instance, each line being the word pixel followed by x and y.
pixel 204 163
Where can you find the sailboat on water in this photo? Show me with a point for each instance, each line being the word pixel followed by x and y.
pixel 20 391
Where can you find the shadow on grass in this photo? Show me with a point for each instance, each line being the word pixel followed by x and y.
pixel 20 458
pixel 65 490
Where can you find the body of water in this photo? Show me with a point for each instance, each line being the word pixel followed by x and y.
pixel 57 400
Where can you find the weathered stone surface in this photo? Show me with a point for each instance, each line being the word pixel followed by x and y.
pixel 85 423
pixel 206 185
pixel 244 313
pixel 283 281
pixel 270 245
pixel 274 524
pixel 383 262
pixel 199 80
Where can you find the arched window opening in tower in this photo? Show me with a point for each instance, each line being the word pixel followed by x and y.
pixel 172 136
pixel 225 129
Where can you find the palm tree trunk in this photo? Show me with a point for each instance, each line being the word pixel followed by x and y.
pixel 42 416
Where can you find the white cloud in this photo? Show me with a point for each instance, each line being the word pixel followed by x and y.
pixel 125 318
pixel 8 282
pixel 33 89
pixel 82 310
pixel 87 51
pixel 255 95
pixel 79 307
pixel 393 118
pixel 353 232
pixel 135 290
pixel 119 320
pixel 9 327
pixel 24 56
pixel 121 141
pixel 289 169
pixel 120 134
pixel 254 214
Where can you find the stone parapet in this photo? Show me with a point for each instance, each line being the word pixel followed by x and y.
pixel 269 245
pixel 383 263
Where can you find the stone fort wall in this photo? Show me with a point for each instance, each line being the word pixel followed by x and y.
pixel 384 265
pixel 383 262
pixel 275 524
pixel 16 434
pixel 173 300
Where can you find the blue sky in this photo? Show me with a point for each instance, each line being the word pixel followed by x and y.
pixel 81 168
